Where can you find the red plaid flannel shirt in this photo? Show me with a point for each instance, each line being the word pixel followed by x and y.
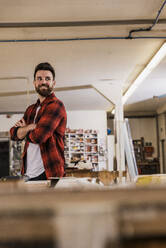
pixel 49 134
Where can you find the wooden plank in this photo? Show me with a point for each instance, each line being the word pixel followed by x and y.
pixel 106 177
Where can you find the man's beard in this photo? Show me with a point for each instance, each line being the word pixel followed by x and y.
pixel 45 91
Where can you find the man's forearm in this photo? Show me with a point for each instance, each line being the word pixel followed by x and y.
pixel 22 131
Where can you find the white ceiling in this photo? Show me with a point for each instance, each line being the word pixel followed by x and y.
pixel 80 62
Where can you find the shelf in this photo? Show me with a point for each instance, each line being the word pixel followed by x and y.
pixel 76 152
pixel 92 153
pixel 90 144
pixel 90 137
pixel 79 140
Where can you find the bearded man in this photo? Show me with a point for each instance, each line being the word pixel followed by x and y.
pixel 43 128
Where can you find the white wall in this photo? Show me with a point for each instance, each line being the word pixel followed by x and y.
pixel 7 122
pixel 88 120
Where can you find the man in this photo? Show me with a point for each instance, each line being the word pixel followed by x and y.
pixel 43 127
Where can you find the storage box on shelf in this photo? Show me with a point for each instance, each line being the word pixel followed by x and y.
pixel 81 148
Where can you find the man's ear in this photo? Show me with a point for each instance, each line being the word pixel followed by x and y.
pixel 54 83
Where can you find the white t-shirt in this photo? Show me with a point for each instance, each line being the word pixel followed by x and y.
pixel 34 162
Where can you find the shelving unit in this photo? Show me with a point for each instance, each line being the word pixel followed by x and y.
pixel 81 145
pixel 144 157
pixel 16 150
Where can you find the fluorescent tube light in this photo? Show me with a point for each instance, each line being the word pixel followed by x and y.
pixel 147 70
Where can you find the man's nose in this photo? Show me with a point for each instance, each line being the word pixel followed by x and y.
pixel 43 81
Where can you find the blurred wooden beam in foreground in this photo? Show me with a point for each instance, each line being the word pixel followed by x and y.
pixel 100 218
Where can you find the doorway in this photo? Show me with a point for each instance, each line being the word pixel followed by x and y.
pixel 4 158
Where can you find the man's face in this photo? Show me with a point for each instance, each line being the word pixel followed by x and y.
pixel 44 83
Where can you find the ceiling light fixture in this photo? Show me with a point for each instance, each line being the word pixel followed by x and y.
pixel 147 70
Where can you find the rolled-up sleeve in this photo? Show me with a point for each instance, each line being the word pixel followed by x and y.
pixel 13 130
pixel 13 133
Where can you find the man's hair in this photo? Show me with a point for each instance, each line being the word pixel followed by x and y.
pixel 44 67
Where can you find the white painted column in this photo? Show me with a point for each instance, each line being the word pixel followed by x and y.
pixel 110 152
pixel 119 136
pixel 113 93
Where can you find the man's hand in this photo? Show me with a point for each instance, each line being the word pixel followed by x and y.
pixel 23 128
pixel 30 127
pixel 20 123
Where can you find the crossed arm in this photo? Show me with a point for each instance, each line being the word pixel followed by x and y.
pixel 23 128
pixel 53 115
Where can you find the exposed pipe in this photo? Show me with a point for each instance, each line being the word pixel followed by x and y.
pixel 61 39
pixel 149 28
pixel 134 116
pixel 78 23
pixel 82 39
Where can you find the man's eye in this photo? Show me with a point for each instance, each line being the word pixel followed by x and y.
pixel 39 78
pixel 48 78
